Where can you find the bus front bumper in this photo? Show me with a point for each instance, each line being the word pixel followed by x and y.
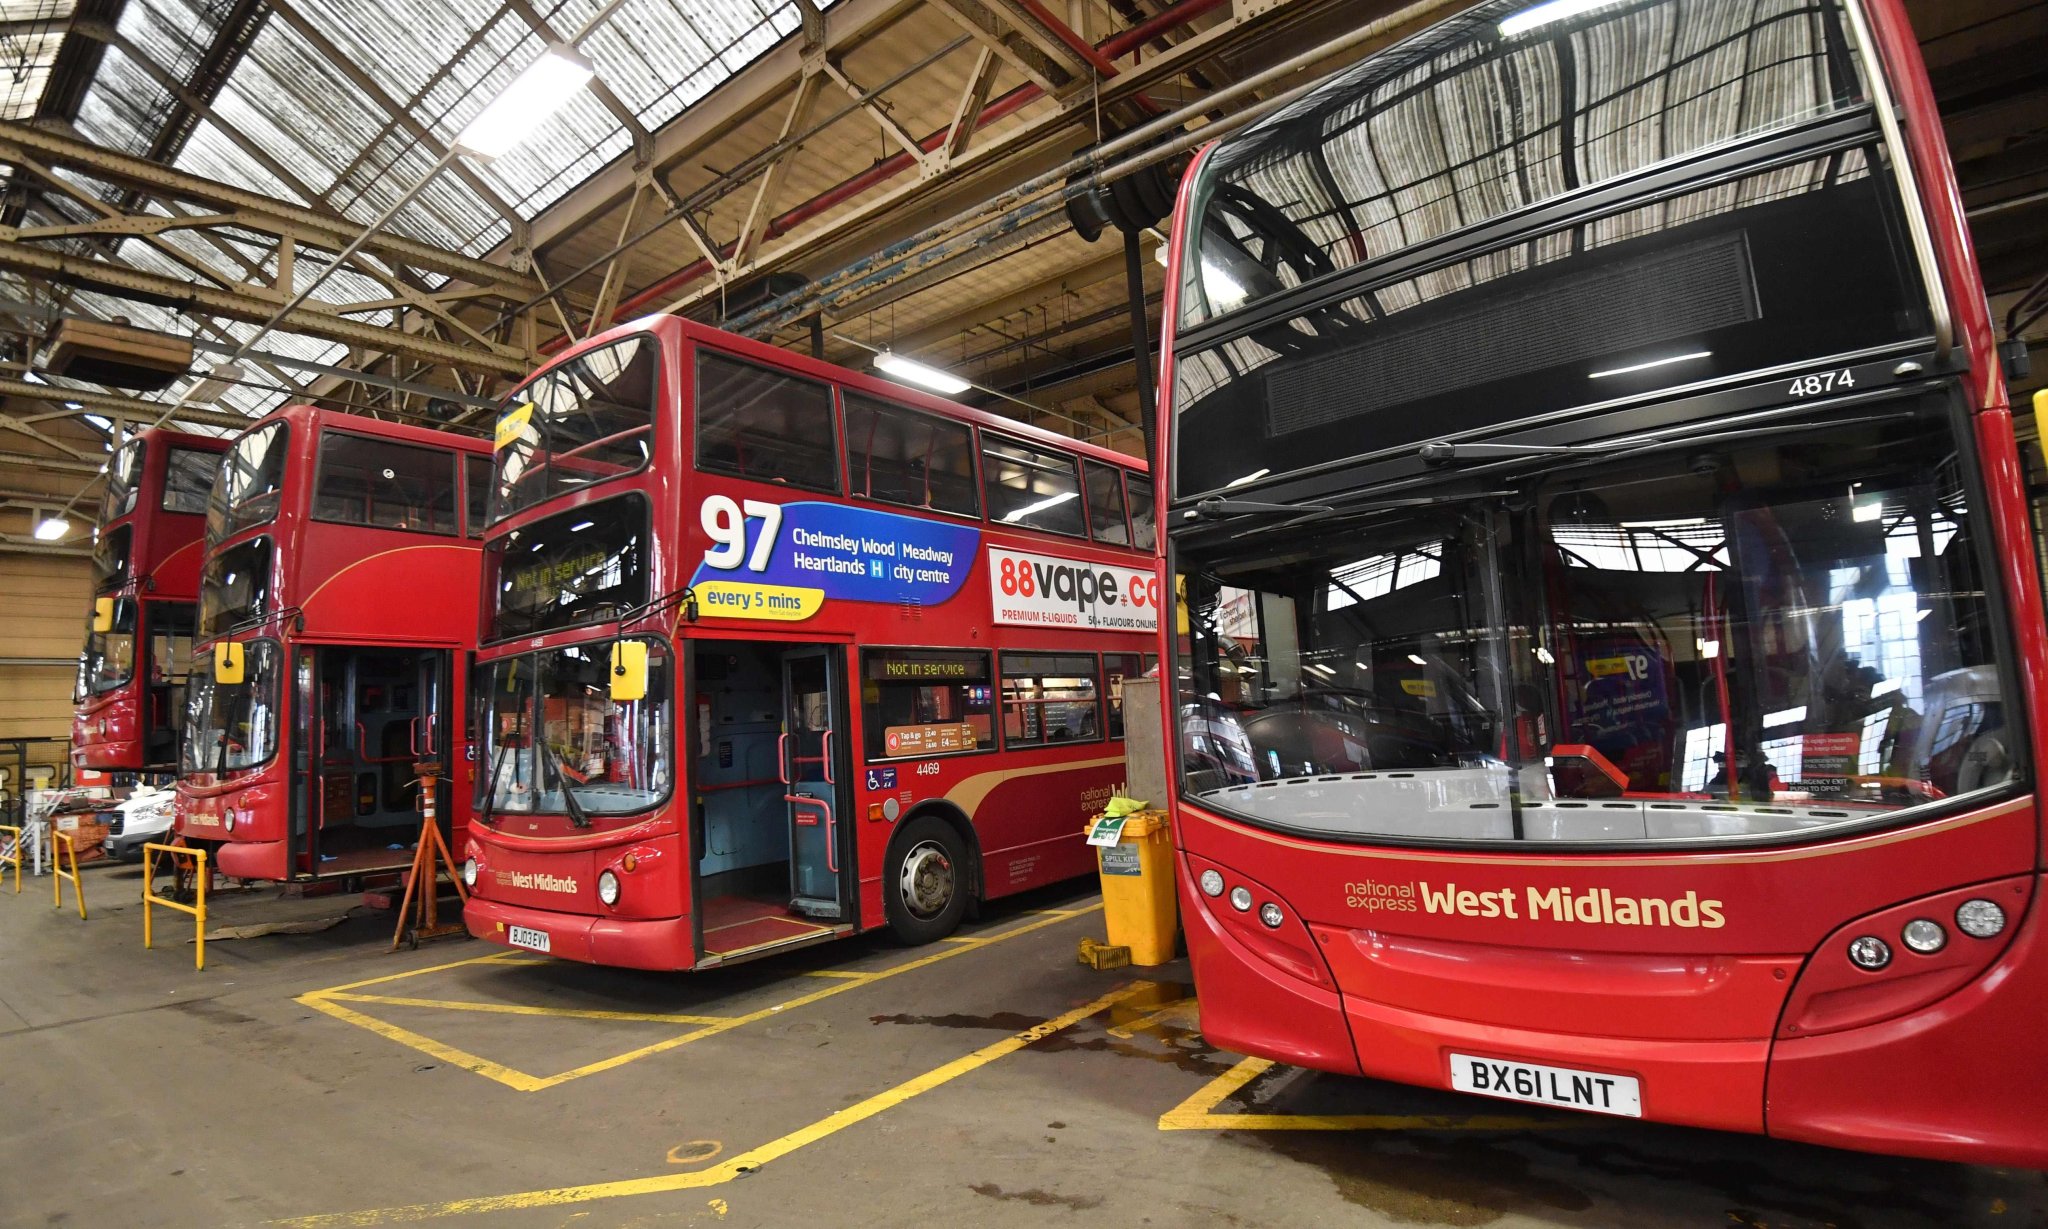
pixel 663 944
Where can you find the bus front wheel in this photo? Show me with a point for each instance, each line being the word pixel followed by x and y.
pixel 925 890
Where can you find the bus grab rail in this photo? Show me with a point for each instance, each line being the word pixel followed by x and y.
pixel 831 826
pixel 363 748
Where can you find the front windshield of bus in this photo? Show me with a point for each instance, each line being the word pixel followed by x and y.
pixel 550 725
pixel 232 726
pixel 1748 640
pixel 585 565
pixel 250 486
pixel 235 588
pixel 1480 227
pixel 111 555
pixel 583 421
pixel 124 476
pixel 109 657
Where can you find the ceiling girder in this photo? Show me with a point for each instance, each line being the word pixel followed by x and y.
pixel 19 141
pixel 253 305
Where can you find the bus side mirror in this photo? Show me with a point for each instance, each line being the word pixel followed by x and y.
pixel 629 670
pixel 228 663
pixel 103 614
pixel 2041 419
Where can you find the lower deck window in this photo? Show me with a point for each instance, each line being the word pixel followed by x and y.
pixel 925 702
pixel 1049 698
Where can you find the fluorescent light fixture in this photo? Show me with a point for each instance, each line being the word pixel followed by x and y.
pixel 1319 669
pixel 1868 511
pixel 920 374
pixel 1543 655
pixel 1543 14
pixel 1885 687
pixel 1709 648
pixel 33 378
pixel 1254 476
pixel 580 528
pixel 1361 665
pixel 51 528
pixel 1028 509
pixel 1655 362
pixel 1417 659
pixel 1785 716
pixel 1923 614
pixel 527 102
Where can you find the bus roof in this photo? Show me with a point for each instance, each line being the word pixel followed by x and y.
pixel 315 416
pixel 858 381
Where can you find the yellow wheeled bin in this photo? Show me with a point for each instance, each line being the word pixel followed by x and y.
pixel 1138 901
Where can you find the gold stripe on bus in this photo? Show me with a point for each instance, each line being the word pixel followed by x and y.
pixel 396 550
pixel 1601 860
pixel 969 793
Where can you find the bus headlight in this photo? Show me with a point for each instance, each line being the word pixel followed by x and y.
pixel 1870 953
pixel 608 888
pixel 1241 898
pixel 1924 935
pixel 1980 918
pixel 227 818
pixel 1212 883
pixel 469 872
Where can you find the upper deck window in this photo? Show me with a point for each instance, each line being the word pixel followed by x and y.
pixel 1467 122
pixel 771 426
pixel 1031 487
pixel 188 478
pixel 1106 521
pixel 385 484
pixel 124 476
pixel 900 456
pixel 250 486
pixel 1143 513
pixel 584 420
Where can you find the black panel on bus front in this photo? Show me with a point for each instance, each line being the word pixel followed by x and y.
pixel 1796 262
pixel 586 565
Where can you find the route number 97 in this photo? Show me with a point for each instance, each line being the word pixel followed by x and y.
pixel 1826 381
pixel 725 520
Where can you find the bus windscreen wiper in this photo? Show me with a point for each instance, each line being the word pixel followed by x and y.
pixel 1218 509
pixel 577 815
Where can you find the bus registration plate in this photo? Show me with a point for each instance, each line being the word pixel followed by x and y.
pixel 1596 1091
pixel 527 937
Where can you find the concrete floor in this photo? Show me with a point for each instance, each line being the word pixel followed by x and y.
pixel 317 1080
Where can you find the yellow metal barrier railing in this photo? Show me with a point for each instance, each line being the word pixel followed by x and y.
pixel 61 846
pixel 197 909
pixel 10 853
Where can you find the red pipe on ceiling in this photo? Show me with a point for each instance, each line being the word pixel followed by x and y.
pixel 1172 17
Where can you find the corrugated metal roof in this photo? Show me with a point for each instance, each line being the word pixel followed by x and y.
pixel 34 30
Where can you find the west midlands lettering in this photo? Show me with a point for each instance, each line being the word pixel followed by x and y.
pixel 1596 906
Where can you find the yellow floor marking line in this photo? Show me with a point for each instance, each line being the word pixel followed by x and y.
pixel 493 958
pixel 328 1001
pixel 745 1162
pixel 838 973
pixel 1197 1113
pixel 1181 1014
pixel 521 1009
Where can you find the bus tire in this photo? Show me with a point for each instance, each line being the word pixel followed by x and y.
pixel 925 889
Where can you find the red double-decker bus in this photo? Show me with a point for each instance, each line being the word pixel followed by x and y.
pixel 145 572
pixel 337 611
pixel 774 651
pixel 1614 662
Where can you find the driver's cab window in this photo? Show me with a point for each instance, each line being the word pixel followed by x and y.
pixel 1345 671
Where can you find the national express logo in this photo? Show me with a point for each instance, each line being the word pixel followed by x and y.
pixel 1593 906
pixel 537 881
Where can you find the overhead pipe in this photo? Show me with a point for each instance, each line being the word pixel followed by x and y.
pixel 1120 44
pixel 1140 147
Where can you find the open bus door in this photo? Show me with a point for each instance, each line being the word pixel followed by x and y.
pixel 814 730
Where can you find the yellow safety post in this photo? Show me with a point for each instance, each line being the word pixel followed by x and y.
pixel 60 846
pixel 10 853
pixel 197 909
pixel 1134 851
